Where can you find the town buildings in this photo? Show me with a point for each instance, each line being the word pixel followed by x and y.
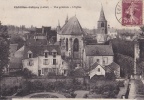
pixel 56 52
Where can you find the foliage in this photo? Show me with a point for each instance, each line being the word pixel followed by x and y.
pixel 8 90
pixel 27 73
pixel 4 48
pixel 126 64
pixel 17 40
pixel 110 76
pixel 109 91
pixel 123 47
pixel 25 89
pixel 37 85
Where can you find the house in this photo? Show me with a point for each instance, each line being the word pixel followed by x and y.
pixel 44 33
pixel 13 49
pixel 15 63
pixel 102 54
pixel 43 60
pixel 98 59
pixel 96 69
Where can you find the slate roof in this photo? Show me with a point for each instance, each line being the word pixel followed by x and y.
pixel 99 50
pixel 39 50
pixel 15 63
pixel 36 42
pixel 72 27
pixel 13 48
pixel 112 67
pixel 102 16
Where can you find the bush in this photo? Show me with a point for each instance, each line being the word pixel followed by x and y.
pixel 50 87
pixel 37 86
pixel 25 89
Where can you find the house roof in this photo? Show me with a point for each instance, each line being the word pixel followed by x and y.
pixel 13 48
pixel 99 50
pixel 39 50
pixel 112 67
pixel 72 27
pixel 32 42
pixel 38 30
pixel 93 67
pixel 15 63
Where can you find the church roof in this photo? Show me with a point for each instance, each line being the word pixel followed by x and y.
pixel 99 50
pixel 72 27
pixel 102 15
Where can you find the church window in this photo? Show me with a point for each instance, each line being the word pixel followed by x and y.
pixel 102 24
pixel 76 45
pixel 67 44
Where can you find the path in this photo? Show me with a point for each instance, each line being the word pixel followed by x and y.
pixel 55 94
pixel 123 89
pixel 80 93
pixel 132 92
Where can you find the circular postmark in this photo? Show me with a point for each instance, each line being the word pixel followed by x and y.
pixel 118 12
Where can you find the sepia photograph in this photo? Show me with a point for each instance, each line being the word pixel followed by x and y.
pixel 64 49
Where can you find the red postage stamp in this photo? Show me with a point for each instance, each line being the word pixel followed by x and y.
pixel 132 12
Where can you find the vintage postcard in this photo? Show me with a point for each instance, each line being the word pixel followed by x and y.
pixel 67 49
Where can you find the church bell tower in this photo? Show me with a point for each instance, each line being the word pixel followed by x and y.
pixel 102 28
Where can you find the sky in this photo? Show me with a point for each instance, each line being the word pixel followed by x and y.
pixel 88 12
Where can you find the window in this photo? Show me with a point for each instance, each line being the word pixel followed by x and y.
pixel 42 70
pixel 30 63
pixel 105 60
pixel 76 45
pixel 30 55
pixel 67 44
pixel 54 61
pixel 98 69
pixel 45 62
pixel 98 61
pixel 102 24
pixel 54 54
pixel 46 54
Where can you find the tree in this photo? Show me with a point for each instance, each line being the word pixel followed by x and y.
pixel 17 40
pixel 4 48
pixel 27 73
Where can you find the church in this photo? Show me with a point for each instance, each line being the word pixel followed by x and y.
pixel 71 37
pixel 47 57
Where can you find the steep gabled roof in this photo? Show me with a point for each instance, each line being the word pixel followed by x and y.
pixel 39 50
pixel 13 48
pixel 93 67
pixel 102 15
pixel 72 27
pixel 99 50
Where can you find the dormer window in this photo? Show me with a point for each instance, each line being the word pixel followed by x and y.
pixel 54 53
pixel 30 55
pixel 46 52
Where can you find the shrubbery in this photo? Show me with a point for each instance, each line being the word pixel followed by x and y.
pixel 108 91
pixel 37 86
